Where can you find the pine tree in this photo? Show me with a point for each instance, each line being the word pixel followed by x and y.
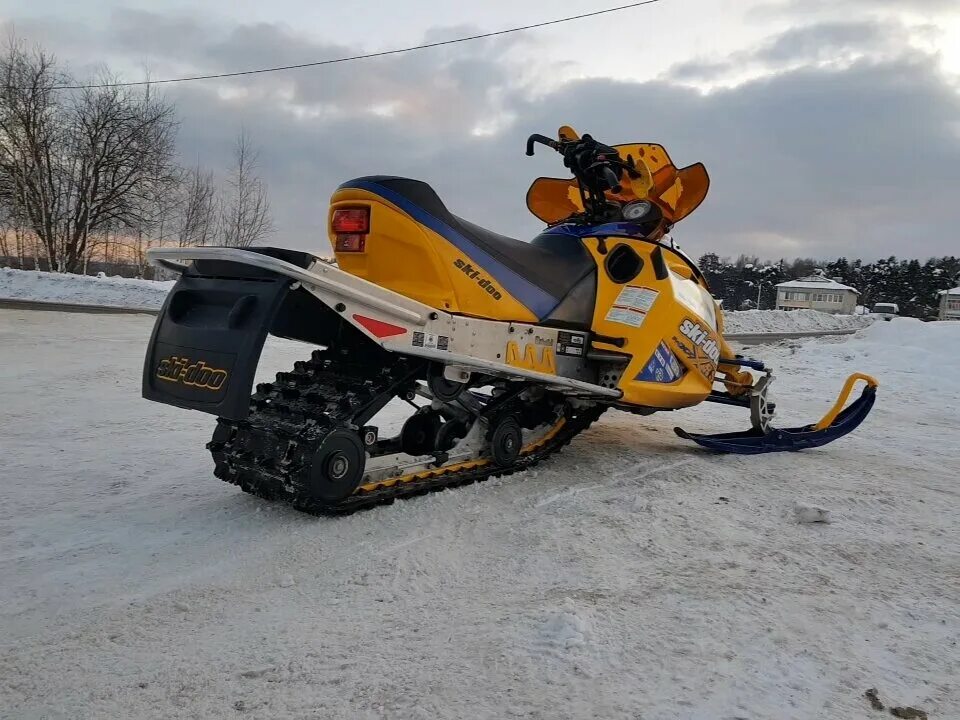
pixel 913 286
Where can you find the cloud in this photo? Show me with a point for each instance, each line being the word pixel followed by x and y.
pixel 813 7
pixel 824 44
pixel 815 43
pixel 854 162
pixel 807 156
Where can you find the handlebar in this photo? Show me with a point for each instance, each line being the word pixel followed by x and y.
pixel 543 140
pixel 597 167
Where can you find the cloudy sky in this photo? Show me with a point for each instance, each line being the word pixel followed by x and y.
pixel 829 127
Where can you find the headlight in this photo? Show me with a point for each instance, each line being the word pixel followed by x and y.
pixel 637 210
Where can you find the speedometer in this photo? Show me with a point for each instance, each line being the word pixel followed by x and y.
pixel 637 210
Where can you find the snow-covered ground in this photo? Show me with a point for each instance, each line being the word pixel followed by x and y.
pixel 781 321
pixel 82 289
pixel 633 575
pixel 124 292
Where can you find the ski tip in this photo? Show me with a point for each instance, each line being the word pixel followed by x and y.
pixel 682 433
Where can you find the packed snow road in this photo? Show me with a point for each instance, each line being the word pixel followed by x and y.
pixel 632 576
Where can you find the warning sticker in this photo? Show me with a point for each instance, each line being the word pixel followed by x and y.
pixel 572 350
pixel 626 316
pixel 636 298
pixel 571 344
pixel 430 341
pixel 632 305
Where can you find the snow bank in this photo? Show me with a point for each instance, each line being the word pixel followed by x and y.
pixel 82 289
pixel 760 321
pixel 918 345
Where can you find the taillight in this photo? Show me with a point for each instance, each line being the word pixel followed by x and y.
pixel 351 226
pixel 351 220
pixel 350 242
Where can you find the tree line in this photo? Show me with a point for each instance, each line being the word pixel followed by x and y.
pixel 94 173
pixel 912 285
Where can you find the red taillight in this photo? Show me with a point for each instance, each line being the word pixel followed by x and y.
pixel 351 220
pixel 350 243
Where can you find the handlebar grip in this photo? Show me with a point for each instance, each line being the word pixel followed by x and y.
pixel 612 179
pixel 542 139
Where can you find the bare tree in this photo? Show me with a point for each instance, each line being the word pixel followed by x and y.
pixel 73 165
pixel 245 215
pixel 197 220
pixel 16 243
pixel 31 129
pixel 7 233
pixel 125 174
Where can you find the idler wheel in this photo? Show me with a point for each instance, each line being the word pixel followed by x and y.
pixel 419 432
pixel 506 442
pixel 337 467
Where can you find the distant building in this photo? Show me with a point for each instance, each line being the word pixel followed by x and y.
pixel 817 293
pixel 950 304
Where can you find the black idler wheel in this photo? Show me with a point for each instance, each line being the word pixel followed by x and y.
pixel 419 431
pixel 337 467
pixel 442 389
pixel 451 432
pixel 506 441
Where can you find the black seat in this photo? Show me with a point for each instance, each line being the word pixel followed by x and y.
pixel 535 274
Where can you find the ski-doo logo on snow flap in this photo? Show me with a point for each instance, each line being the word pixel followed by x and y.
pixel 198 374
pixel 700 337
pixel 471 272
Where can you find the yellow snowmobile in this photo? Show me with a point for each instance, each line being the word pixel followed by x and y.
pixel 504 350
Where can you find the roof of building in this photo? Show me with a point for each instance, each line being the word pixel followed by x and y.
pixel 951 291
pixel 816 282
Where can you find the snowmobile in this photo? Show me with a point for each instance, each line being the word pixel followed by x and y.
pixel 504 350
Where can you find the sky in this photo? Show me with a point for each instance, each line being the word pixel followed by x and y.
pixel 829 127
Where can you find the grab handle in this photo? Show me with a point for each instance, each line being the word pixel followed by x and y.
pixel 828 419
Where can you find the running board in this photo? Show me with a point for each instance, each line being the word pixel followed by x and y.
pixel 521 351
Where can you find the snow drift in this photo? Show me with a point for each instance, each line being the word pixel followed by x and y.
pixel 83 289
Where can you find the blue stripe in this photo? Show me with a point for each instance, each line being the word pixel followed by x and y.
pixel 621 229
pixel 617 229
pixel 538 301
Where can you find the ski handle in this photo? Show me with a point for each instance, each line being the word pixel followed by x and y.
pixel 828 419
pixel 578 153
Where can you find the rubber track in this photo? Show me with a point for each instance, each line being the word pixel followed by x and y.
pixel 269 453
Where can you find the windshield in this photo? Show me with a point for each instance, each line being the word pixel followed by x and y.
pixel 884 308
pixel 678 192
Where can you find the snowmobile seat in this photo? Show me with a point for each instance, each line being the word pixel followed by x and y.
pixel 539 276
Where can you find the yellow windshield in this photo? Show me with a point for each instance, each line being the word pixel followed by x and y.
pixel 678 192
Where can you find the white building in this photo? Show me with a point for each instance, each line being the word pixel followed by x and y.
pixel 817 293
pixel 950 304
